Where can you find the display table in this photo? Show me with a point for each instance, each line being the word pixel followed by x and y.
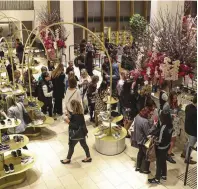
pixel 34 130
pixel 109 145
pixel 8 90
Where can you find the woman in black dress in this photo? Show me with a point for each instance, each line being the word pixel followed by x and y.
pixel 58 80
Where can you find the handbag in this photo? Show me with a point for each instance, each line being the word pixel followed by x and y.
pixel 148 143
pixel 76 134
pixel 151 151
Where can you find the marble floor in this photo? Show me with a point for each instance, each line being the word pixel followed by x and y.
pixel 105 172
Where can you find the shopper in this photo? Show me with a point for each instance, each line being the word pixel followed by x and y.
pixel 115 74
pixel 85 79
pixel 89 62
pixel 143 97
pixel 46 93
pixel 100 105
pixel 15 110
pixel 91 96
pixel 119 89
pixel 163 144
pixel 163 96
pixel 72 93
pixel 191 127
pixel 81 60
pixel 2 47
pixel 58 80
pixel 128 101
pixel 19 51
pixel 142 128
pixel 70 68
pixel 33 82
pixel 17 77
pixel 50 66
pixel 9 68
pixel 43 69
pixel 174 110
pixel 77 132
pixel 105 68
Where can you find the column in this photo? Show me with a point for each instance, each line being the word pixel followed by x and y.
pixel 66 13
pixel 86 17
pixel 132 8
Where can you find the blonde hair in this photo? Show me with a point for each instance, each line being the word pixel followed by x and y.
pixel 57 72
pixel 76 107
pixel 17 73
pixel 146 89
pixel 84 72
pixel 10 100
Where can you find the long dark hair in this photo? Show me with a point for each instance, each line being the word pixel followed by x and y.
pixel 171 96
pixel 166 119
pixel 103 87
pixel 127 87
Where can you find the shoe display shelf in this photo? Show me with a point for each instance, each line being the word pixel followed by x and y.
pixel 18 175
pixel 112 140
pixel 39 121
pixel 34 129
pixel 7 89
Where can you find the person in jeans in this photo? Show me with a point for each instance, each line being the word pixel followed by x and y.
pixel 142 128
pixel 163 146
pixel 46 93
pixel 191 127
pixel 19 51
pixel 77 123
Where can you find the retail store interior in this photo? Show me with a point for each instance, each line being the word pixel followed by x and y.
pixel 98 94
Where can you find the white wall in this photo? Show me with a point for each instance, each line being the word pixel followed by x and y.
pixel 25 15
pixel 66 13
pixel 172 6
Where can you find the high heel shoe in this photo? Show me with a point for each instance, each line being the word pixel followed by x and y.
pixel 67 162
pixel 86 161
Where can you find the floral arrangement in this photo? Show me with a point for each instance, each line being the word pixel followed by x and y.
pixel 167 50
pixel 55 37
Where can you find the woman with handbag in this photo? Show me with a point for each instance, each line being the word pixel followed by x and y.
pixel 72 93
pixel 142 128
pixel 163 145
pixel 85 79
pixel 77 132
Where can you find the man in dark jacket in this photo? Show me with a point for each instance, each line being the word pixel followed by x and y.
pixel 19 50
pixel 191 126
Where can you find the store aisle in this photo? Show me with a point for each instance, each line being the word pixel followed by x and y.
pixel 105 172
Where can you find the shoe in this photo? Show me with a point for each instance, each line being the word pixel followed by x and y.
pixel 11 168
pixel 163 178
pixel 5 138
pixel 145 172
pixel 26 160
pixel 183 156
pixel 14 154
pixel 9 122
pixel 172 154
pixel 19 153
pixel 153 181
pixel 191 162
pixel 98 133
pixel 87 161
pixel 6 147
pixel 137 169
pixel 170 159
pixel 67 162
pixel 102 136
pixel 6 169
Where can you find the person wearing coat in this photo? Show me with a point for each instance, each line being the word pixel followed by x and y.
pixel 58 81
pixel 89 63
pixel 77 132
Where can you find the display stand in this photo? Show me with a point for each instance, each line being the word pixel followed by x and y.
pixel 109 144
pixel 34 130
pixel 18 176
